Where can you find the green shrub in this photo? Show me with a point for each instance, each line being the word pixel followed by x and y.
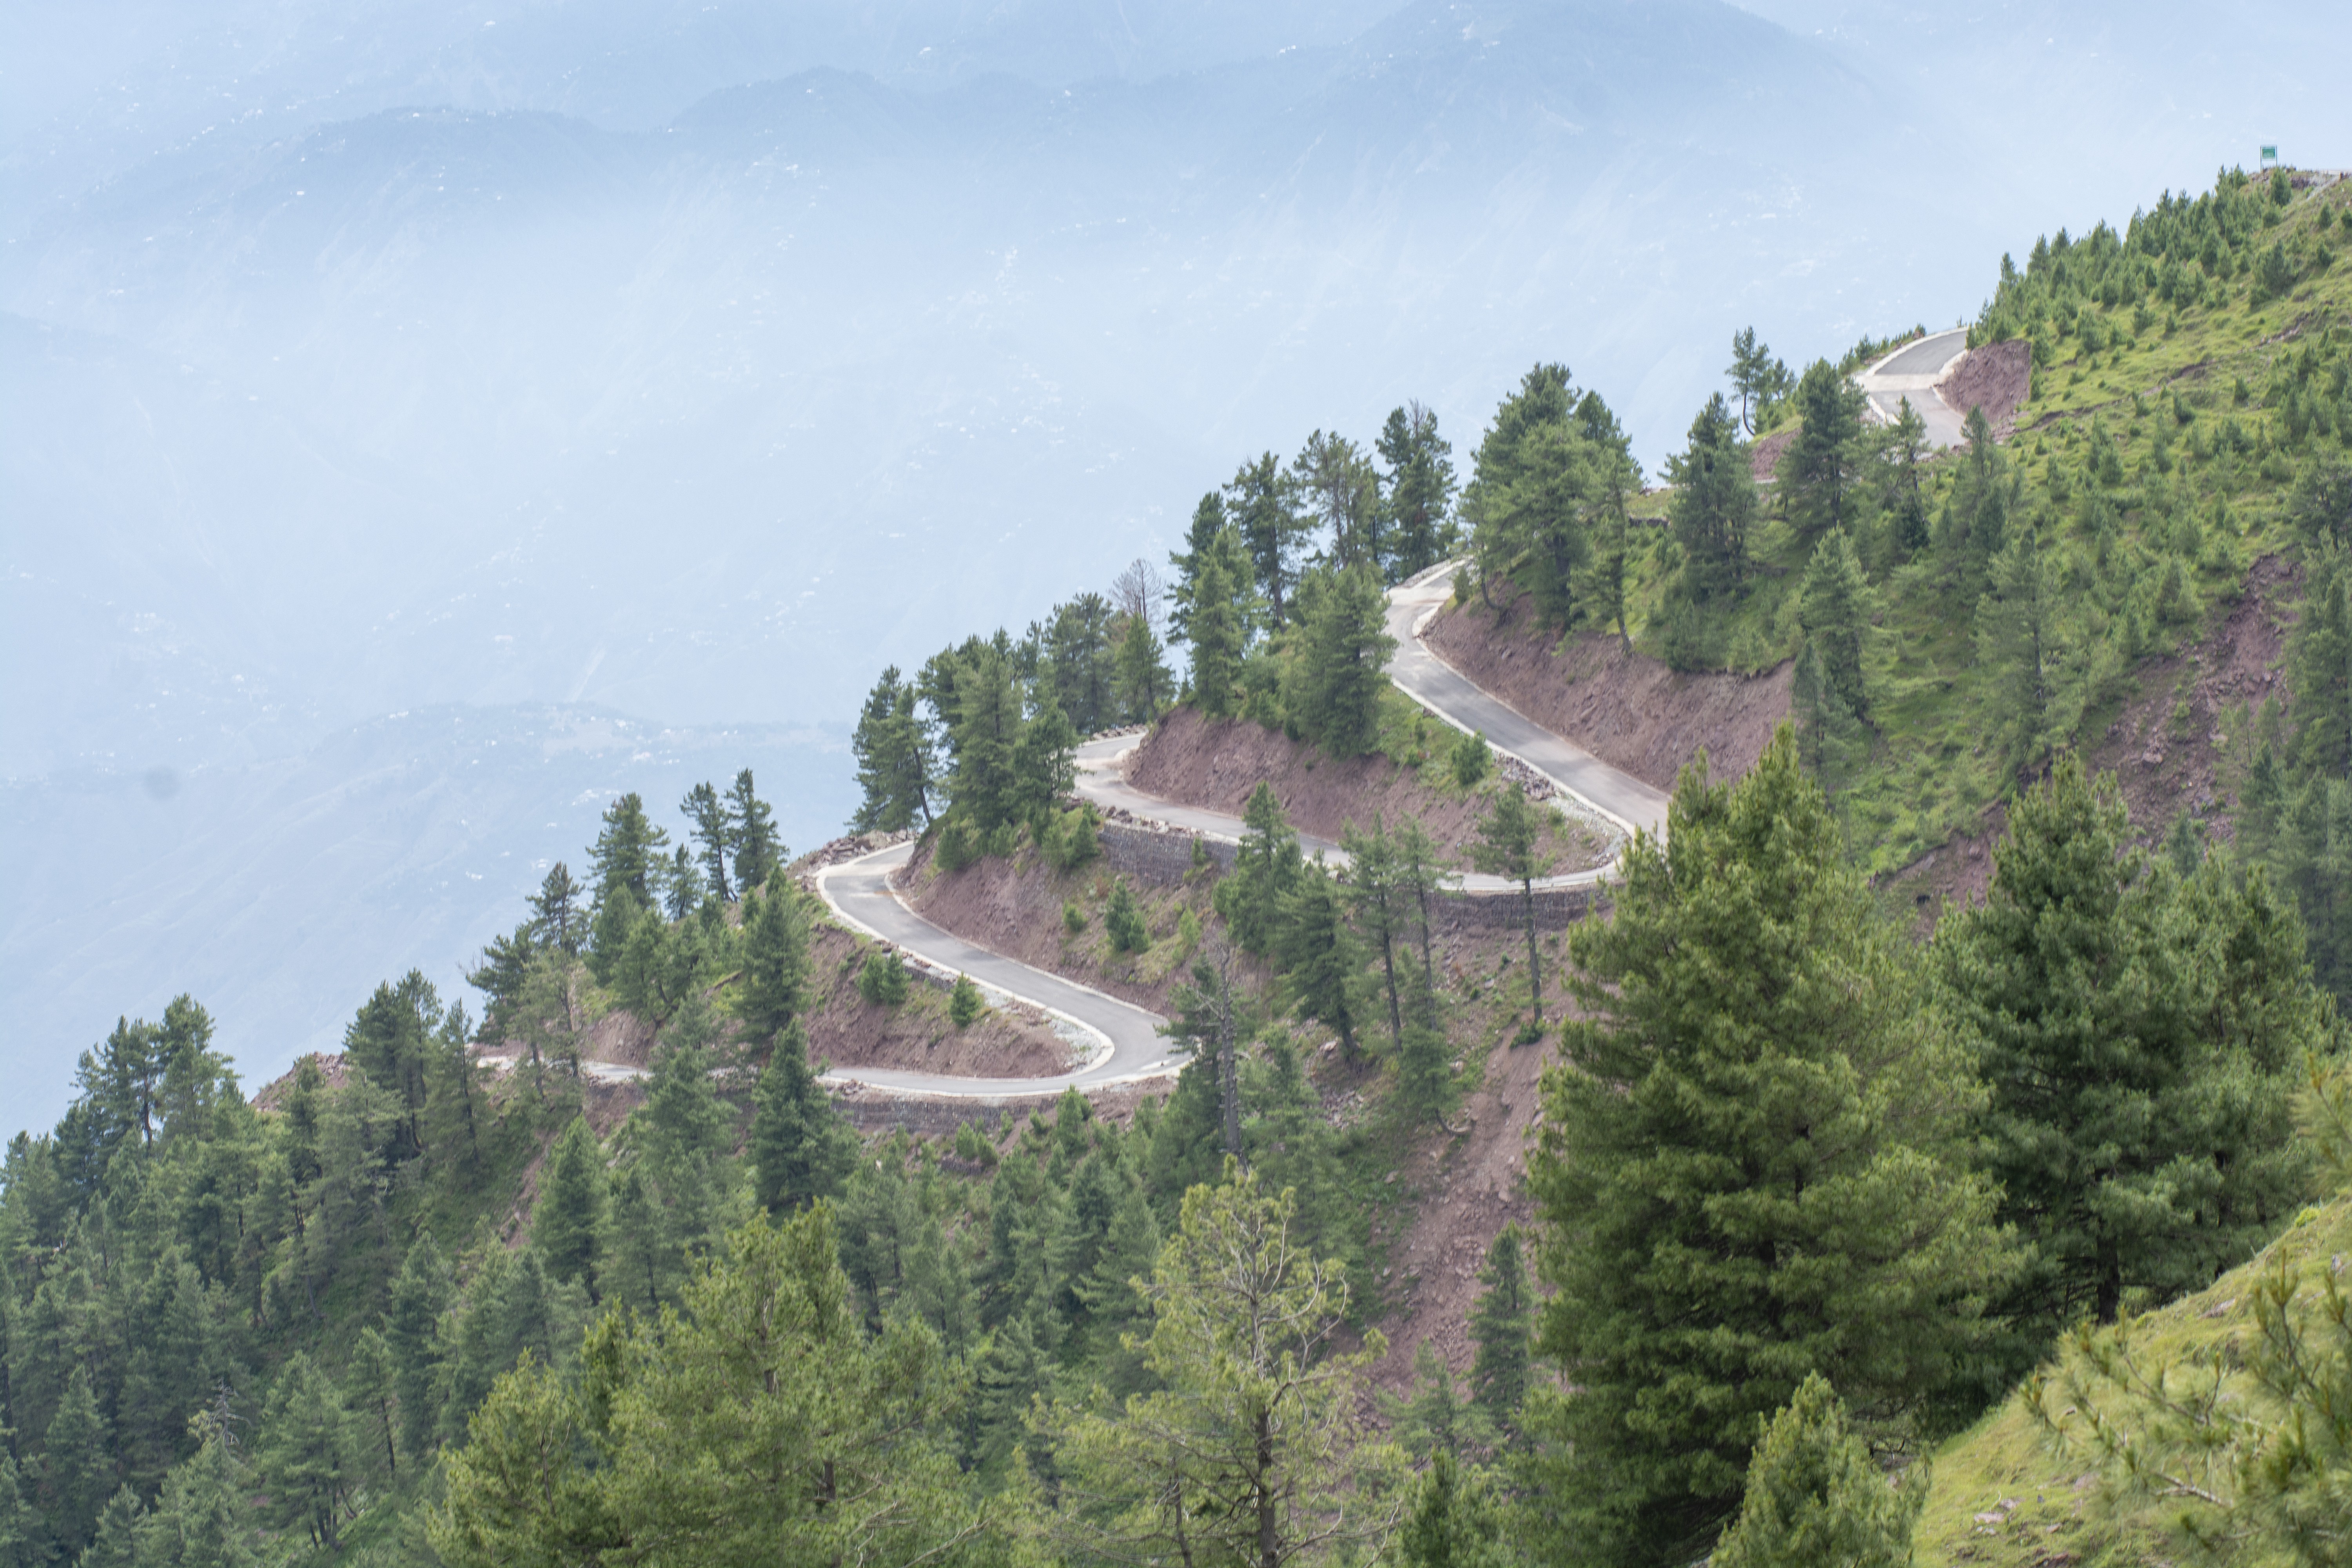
pixel 959 847
pixel 883 981
pixel 973 1146
pixel 1473 759
pixel 964 1006
pixel 1124 920
pixel 1188 932
pixel 1072 838
pixel 1074 918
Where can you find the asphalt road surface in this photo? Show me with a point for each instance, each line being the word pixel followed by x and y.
pixel 1912 372
pixel 1442 690
pixel 1124 1040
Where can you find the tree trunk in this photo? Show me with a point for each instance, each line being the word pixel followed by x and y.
pixel 1269 1540
pixel 1534 970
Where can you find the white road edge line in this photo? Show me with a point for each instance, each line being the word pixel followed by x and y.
pixel 1105 1047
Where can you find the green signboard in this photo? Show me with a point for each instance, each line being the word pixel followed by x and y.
pixel 2269 153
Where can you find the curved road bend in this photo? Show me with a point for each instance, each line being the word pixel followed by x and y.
pixel 1449 694
pixel 1912 371
pixel 1126 1040
pixel 1127 1044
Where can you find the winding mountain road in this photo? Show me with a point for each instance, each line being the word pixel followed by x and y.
pixel 1912 372
pixel 1123 1041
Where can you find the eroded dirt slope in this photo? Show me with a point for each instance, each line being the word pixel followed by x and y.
pixel 2178 746
pixel 1017 907
pixel 849 1031
pixel 1630 711
pixel 1216 764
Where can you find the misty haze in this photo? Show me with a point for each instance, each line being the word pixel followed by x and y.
pixel 424 422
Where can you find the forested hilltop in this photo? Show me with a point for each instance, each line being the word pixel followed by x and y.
pixel 1850 1220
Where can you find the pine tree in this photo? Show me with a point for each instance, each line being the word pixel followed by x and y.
pixel 1425 1083
pixel 1714 506
pixel 1454 1520
pixel 630 853
pixel 1342 491
pixel 714 828
pixel 1511 844
pixel 736 1430
pixel 1043 763
pixel 1268 864
pixel 964 1003
pixel 1253 1451
pixel 1752 1167
pixel 1758 378
pixel 1421 874
pixel 1336 682
pixel 556 916
pixel 2021 637
pixel 569 1223
pixel 204 1518
pixel 2140 1037
pixel 1437 1421
pixel 1202 538
pixel 1259 505
pixel 1217 632
pixel 1515 459
pixel 687 1130
pixel 1420 489
pixel 391 1040
pixel 1836 617
pixel 1815 1496
pixel 1820 479
pixel 21 1545
pixel 2319 667
pixel 1611 477
pixel 1375 903
pixel 1502 1324
pixel 1078 663
pixel 1123 921
pixel 115 1541
pixel 758 851
pixel 306 1459
pixel 1317 955
pixel 799 1150
pixel 1144 683
pixel 1906 443
pixel 420 1297
pixel 775 963
pixel 77 1463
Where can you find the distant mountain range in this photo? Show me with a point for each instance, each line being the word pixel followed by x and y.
pixel 692 361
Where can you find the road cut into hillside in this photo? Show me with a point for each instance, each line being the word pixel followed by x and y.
pixel 1121 1043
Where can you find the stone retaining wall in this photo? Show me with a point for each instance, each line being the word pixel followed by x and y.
pixel 871 1110
pixel 1157 856
pixel 1556 908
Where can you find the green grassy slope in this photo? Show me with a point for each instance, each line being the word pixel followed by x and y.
pixel 2010 1493
pixel 2157 454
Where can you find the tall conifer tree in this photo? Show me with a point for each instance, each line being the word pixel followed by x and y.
pixel 1752 1167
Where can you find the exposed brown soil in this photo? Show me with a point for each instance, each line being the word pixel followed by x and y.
pixel 1764 455
pixel 1014 908
pixel 849 1031
pixel 1995 378
pixel 1630 711
pixel 2171 759
pixel 1216 764
pixel 2168 758
pixel 1475 1185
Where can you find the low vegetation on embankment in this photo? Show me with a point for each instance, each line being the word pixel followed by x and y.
pixel 1219 763
pixel 1810 1200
